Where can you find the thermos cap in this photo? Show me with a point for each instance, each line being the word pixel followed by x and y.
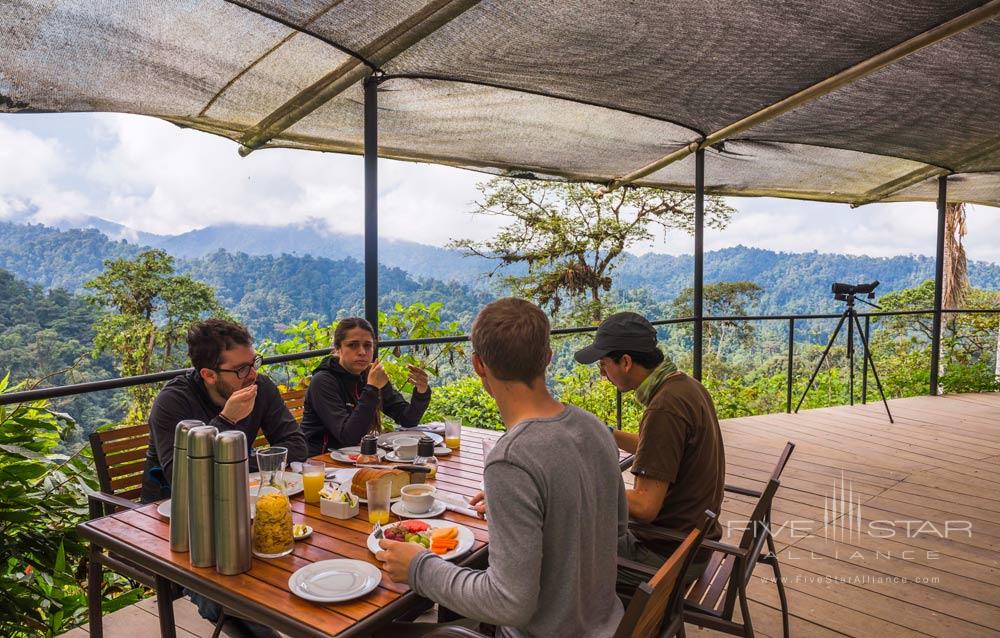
pixel 182 430
pixel 201 441
pixel 425 447
pixel 369 444
pixel 230 447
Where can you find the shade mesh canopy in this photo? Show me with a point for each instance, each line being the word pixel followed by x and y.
pixel 574 89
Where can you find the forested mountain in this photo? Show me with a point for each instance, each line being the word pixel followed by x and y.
pixel 269 290
pixel 49 334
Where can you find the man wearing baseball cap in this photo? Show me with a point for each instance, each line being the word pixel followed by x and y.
pixel 680 464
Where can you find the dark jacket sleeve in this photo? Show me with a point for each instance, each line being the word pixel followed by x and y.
pixel 343 424
pixel 279 426
pixel 403 413
pixel 169 408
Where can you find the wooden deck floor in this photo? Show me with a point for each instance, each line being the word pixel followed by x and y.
pixel 909 568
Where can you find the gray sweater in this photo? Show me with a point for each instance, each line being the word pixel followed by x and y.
pixel 556 509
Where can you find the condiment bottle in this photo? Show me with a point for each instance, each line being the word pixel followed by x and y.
pixel 425 455
pixel 369 450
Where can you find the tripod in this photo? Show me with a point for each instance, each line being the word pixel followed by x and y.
pixel 851 317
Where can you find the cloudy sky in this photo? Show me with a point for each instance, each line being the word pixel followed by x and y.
pixel 152 176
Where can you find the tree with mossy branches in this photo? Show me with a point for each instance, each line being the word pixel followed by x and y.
pixel 570 237
pixel 147 309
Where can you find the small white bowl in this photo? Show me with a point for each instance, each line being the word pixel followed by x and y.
pixel 338 509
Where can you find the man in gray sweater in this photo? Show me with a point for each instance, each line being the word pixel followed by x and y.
pixel 556 500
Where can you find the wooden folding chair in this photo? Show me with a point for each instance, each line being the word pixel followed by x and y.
pixel 711 600
pixel 656 608
pixel 120 459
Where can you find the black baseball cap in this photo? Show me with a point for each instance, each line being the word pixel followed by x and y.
pixel 623 331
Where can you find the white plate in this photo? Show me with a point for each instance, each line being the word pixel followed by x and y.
pixel 442 450
pixel 392 458
pixel 341 455
pixel 163 509
pixel 293 483
pixel 465 537
pixel 385 440
pixel 400 510
pixel 433 426
pixel 337 580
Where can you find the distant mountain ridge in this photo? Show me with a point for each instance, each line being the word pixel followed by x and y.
pixel 273 289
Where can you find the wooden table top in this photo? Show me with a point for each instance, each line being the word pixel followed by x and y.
pixel 142 535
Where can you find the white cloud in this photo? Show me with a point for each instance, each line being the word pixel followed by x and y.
pixel 155 177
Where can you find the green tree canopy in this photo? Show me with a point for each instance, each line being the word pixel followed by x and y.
pixel 146 312
pixel 569 237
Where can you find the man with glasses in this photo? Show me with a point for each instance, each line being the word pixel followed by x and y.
pixel 223 390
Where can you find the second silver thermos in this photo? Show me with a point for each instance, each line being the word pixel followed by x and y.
pixel 232 503
pixel 201 527
pixel 179 487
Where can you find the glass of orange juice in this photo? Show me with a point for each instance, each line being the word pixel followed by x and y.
pixel 452 432
pixel 378 491
pixel 313 477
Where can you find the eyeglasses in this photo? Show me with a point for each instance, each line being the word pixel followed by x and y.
pixel 242 371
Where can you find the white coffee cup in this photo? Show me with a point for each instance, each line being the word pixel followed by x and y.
pixel 405 448
pixel 418 498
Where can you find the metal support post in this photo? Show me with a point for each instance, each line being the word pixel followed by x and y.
pixel 791 361
pixel 371 200
pixel 699 258
pixel 942 204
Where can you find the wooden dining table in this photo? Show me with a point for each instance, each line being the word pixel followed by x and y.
pixel 262 594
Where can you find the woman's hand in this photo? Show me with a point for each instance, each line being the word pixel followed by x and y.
pixel 377 376
pixel 418 378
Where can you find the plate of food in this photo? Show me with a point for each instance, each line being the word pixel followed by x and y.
pixel 350 454
pixel 446 539
pixel 301 531
pixel 293 483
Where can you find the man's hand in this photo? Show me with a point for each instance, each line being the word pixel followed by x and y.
pixel 418 378
pixel 240 404
pixel 396 558
pixel 377 376
pixel 478 503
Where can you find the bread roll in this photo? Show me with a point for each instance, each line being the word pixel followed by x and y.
pixel 398 478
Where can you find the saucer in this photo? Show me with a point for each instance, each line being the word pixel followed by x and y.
pixel 391 457
pixel 437 509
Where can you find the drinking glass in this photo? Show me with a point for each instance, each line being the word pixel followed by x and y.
pixel 313 477
pixel 452 433
pixel 378 491
pixel 272 524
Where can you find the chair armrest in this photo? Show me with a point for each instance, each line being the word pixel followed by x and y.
pixel 746 491
pixel 113 501
pixel 626 462
pixel 662 533
pixel 633 566
pixel 453 631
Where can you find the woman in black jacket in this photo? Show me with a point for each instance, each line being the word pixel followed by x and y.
pixel 349 387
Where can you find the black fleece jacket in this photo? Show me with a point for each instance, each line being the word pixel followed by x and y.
pixel 340 407
pixel 185 397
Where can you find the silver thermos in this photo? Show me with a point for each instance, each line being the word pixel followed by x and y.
pixel 201 446
pixel 232 503
pixel 179 487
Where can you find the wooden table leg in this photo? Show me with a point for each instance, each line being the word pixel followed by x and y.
pixel 165 608
pixel 94 581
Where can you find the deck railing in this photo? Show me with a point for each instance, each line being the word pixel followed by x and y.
pixel 791 319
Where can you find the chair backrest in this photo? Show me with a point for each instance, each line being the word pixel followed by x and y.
pixel 662 598
pixel 120 458
pixel 782 461
pixel 295 401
